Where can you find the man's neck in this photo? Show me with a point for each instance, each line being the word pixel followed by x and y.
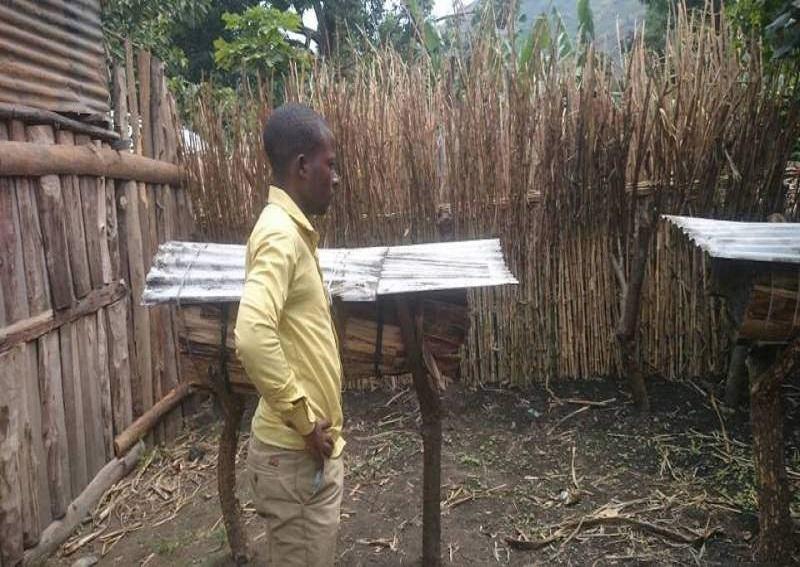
pixel 292 192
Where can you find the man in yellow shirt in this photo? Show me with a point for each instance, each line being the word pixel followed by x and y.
pixel 287 343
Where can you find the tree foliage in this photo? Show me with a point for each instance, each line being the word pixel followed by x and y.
pixel 585 22
pixel 151 24
pixel 784 31
pixel 260 41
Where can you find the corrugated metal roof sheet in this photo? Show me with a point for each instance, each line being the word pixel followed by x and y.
pixel 756 241
pixel 52 55
pixel 187 272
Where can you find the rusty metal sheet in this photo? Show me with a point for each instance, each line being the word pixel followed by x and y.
pixel 753 241
pixel 187 272
pixel 52 56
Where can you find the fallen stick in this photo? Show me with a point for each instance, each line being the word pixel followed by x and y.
pixel 139 428
pixel 599 404
pixel 571 528
pixel 57 532
pixel 566 417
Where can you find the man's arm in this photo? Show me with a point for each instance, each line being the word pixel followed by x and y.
pixel 272 263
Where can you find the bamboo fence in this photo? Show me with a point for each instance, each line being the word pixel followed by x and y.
pixel 558 159
pixel 79 358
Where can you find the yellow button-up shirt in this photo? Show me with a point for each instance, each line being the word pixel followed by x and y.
pixel 285 336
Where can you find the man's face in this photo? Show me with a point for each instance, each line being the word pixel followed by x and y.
pixel 321 177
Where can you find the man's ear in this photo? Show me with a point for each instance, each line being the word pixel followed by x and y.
pixel 302 165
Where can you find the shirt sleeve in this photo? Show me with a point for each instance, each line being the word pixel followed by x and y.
pixel 272 259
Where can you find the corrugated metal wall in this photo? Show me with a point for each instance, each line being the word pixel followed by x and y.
pixel 52 55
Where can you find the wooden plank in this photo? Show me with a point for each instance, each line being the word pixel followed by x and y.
pixel 54 428
pixel 89 204
pixel 112 230
pixel 11 545
pixel 54 227
pixel 93 421
pixel 142 380
pixel 12 273
pixel 165 220
pixel 148 218
pixel 34 327
pixel 119 366
pixel 119 94
pixel 103 227
pixel 37 284
pixel 143 61
pixel 133 103
pixel 158 115
pixel 29 374
pixel 3 320
pixel 15 363
pixel 73 407
pixel 103 382
pixel 78 259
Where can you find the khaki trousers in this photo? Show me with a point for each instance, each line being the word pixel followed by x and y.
pixel 300 505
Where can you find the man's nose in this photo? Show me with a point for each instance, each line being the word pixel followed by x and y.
pixel 335 179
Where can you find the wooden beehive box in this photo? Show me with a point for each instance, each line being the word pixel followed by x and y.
pixel 205 282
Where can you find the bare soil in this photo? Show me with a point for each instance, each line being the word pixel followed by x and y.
pixel 516 465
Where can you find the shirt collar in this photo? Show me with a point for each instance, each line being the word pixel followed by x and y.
pixel 279 197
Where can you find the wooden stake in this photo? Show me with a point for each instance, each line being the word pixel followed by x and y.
pixel 775 542
pixel 54 429
pixel 73 407
pixel 54 228
pixel 233 408
pixel 10 441
pixel 119 365
pixel 142 380
pixel 78 258
pixel 430 404
pixel 143 63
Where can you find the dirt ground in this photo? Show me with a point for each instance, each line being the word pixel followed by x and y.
pixel 517 465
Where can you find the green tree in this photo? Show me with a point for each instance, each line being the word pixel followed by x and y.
pixel 196 41
pixel 260 41
pixel 151 24
pixel 661 14
pixel 336 20
pixel 784 30
pixel 585 22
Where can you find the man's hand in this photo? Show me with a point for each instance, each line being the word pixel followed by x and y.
pixel 319 442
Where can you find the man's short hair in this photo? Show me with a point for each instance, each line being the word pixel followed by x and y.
pixel 292 129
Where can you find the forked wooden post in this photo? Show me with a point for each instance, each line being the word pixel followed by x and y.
pixel 232 405
pixel 430 406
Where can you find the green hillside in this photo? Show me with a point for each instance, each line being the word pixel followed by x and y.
pixel 628 14
pixel 606 15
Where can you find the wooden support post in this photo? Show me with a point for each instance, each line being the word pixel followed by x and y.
pixel 430 405
pixel 232 408
pixel 628 325
pixel 775 541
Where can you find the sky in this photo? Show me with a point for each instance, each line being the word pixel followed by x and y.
pixel 440 8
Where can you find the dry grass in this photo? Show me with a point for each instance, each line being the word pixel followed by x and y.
pixel 555 159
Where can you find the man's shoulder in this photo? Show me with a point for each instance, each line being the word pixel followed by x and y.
pixel 274 221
